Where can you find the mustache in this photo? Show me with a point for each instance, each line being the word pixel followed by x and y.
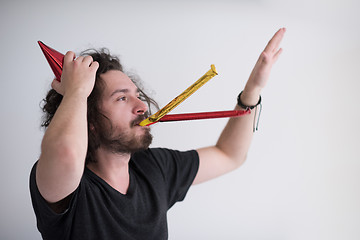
pixel 139 119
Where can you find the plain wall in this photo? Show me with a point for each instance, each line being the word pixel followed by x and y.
pixel 301 179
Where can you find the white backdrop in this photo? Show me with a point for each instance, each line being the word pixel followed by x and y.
pixel 301 179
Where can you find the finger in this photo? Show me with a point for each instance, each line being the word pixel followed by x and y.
pixel 54 83
pixel 56 86
pixel 94 66
pixel 277 54
pixel 275 40
pixel 87 60
pixel 69 56
pixel 79 59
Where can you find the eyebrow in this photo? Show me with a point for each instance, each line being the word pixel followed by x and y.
pixel 125 90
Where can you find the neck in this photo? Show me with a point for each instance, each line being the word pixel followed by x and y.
pixel 113 168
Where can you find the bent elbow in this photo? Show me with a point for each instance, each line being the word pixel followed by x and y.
pixel 240 160
pixel 64 154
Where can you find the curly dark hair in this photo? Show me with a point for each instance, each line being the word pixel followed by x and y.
pixel 106 62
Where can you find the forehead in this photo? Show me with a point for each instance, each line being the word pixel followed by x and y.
pixel 116 80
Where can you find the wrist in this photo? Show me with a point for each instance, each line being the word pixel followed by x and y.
pixel 248 104
pixel 77 92
pixel 76 96
pixel 250 107
pixel 249 97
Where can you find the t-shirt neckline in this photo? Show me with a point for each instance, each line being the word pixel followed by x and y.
pixel 130 190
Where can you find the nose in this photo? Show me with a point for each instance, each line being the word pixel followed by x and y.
pixel 140 107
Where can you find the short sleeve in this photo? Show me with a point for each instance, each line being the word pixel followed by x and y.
pixel 179 169
pixel 48 221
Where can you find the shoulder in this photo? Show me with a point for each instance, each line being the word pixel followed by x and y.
pixel 164 159
pixel 164 155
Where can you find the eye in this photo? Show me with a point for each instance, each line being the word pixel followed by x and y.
pixel 121 99
pixel 142 98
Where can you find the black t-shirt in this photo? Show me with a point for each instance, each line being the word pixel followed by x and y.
pixel 158 179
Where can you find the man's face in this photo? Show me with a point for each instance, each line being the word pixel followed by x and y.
pixel 120 103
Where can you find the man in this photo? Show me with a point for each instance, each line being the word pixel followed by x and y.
pixel 96 178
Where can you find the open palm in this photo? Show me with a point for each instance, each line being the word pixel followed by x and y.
pixel 261 72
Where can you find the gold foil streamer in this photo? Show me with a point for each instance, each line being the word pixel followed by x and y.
pixel 176 101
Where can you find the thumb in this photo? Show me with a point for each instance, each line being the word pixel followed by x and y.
pixel 56 85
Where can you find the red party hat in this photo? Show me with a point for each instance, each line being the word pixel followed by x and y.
pixel 54 58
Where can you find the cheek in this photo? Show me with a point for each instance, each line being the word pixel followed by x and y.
pixel 117 115
pixel 121 120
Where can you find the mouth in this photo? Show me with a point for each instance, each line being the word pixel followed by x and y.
pixel 138 125
pixel 137 121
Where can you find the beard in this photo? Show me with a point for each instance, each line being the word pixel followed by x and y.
pixel 125 141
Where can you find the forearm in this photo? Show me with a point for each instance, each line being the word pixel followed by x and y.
pixel 236 137
pixel 230 151
pixel 63 149
pixel 67 131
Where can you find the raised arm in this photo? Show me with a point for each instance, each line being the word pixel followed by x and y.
pixel 64 145
pixel 233 145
